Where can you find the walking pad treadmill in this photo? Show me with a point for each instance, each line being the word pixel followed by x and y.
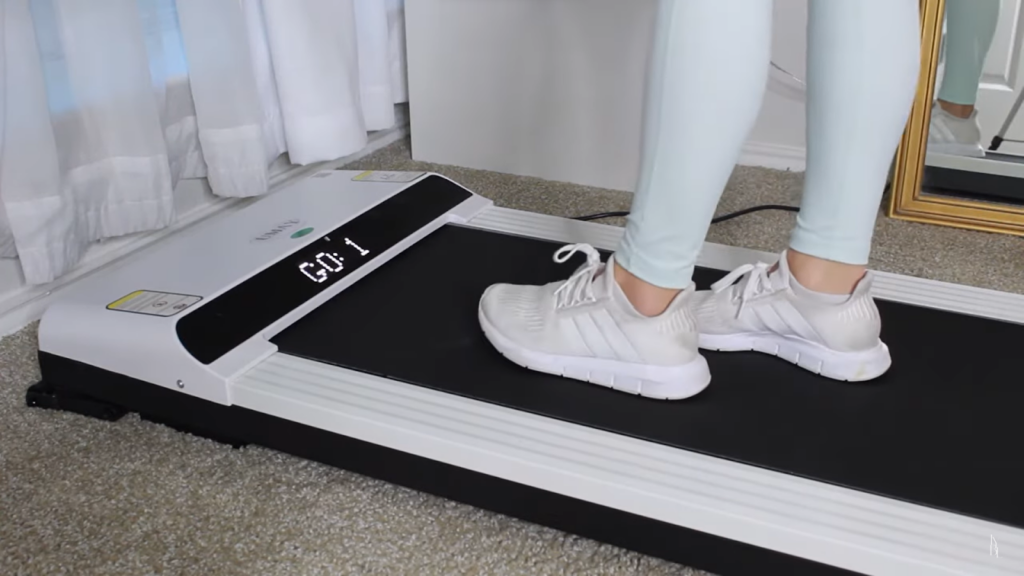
pixel 337 321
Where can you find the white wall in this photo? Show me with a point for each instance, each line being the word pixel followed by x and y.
pixel 553 88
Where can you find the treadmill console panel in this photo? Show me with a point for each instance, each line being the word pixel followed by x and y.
pixel 228 320
pixel 194 311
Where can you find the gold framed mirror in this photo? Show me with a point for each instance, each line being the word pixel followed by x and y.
pixel 939 188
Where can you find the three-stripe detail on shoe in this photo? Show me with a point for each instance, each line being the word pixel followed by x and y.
pixel 603 337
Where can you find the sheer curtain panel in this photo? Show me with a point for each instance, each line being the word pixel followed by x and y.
pixel 106 104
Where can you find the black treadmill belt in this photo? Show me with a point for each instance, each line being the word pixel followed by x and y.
pixel 943 428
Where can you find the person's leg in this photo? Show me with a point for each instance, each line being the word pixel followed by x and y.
pixel 814 308
pixel 708 75
pixel 970 28
pixel 863 66
pixel 635 331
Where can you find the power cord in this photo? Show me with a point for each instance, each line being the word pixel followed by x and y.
pixel 722 218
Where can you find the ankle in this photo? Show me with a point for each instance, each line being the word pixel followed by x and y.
pixel 825 276
pixel 646 298
pixel 962 111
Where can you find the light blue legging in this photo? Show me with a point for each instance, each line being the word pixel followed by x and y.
pixel 970 28
pixel 709 71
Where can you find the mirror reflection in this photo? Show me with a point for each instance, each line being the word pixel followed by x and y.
pixel 976 133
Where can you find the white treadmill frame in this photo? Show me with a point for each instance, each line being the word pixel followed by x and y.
pixel 829 524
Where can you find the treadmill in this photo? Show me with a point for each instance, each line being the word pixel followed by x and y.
pixel 336 320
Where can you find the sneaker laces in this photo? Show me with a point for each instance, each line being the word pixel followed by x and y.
pixel 757 283
pixel 578 289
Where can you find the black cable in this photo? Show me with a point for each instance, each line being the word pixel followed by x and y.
pixel 601 216
pixel 746 211
pixel 722 218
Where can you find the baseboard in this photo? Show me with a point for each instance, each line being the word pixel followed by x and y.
pixel 25 304
pixel 774 156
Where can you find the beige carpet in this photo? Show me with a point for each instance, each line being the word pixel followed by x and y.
pixel 80 496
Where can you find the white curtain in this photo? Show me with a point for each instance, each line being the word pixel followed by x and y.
pixel 106 104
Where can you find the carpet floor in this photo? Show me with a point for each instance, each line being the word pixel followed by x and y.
pixel 83 497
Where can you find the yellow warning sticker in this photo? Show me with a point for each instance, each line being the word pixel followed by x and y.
pixel 153 303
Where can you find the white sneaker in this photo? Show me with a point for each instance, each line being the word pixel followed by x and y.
pixel 585 328
pixel 948 134
pixel 835 336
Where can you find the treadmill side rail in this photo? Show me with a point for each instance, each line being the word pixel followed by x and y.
pixel 796 516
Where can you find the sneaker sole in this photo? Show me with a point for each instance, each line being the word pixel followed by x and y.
pixel 845 366
pixel 658 382
pixel 957 149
